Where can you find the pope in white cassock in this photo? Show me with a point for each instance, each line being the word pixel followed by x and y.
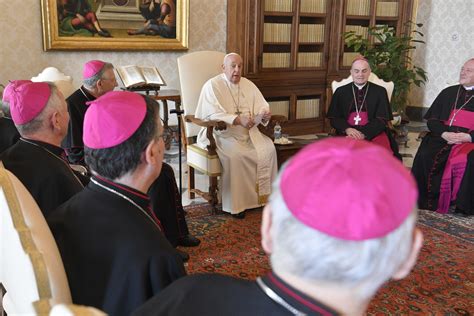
pixel 247 156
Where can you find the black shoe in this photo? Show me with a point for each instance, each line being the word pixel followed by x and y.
pixel 188 241
pixel 184 256
pixel 460 213
pixel 240 215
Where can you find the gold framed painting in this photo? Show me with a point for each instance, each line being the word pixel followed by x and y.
pixel 115 24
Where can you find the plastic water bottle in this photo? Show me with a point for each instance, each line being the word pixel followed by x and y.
pixel 277 131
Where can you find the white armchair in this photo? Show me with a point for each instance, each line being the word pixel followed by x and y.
pixel 63 82
pixel 194 70
pixel 372 78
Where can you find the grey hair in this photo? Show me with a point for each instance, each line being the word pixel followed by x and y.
pixel 90 83
pixel 36 124
pixel 362 266
pixel 228 55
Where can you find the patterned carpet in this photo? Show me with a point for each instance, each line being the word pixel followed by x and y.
pixel 442 282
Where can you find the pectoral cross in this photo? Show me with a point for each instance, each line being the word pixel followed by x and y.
pixel 357 119
pixel 238 112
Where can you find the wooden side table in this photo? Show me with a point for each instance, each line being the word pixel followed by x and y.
pixel 285 152
pixel 168 95
pixel 164 96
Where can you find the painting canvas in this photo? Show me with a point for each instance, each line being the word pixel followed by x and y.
pixel 115 24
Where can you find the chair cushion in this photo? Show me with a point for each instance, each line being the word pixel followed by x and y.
pixel 200 159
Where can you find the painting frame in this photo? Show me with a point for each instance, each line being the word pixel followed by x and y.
pixel 53 41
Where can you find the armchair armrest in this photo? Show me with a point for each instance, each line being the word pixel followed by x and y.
pixel 210 125
pixel 219 125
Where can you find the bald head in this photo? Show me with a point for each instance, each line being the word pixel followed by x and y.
pixel 466 76
pixel 360 71
pixel 232 67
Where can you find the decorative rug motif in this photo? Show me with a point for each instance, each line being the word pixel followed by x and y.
pixel 442 282
pixel 228 245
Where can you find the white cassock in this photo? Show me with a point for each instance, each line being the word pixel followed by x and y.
pixel 248 157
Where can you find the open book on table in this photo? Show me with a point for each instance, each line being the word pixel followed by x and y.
pixel 136 76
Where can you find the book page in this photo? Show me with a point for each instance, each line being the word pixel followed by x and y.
pixel 152 76
pixel 130 76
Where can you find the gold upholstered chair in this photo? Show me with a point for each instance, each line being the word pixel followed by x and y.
pixel 194 70
pixel 31 269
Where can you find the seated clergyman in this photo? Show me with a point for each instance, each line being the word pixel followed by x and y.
pixel 98 79
pixel 39 112
pixel 248 157
pixel 336 230
pixel 112 245
pixel 361 110
pixel 441 165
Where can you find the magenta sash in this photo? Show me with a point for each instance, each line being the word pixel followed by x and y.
pixel 381 139
pixel 456 164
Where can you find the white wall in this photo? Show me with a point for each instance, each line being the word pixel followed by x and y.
pixel 448 26
pixel 22 55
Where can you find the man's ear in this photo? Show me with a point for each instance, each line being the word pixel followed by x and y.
pixel 55 121
pixel 98 85
pixel 152 152
pixel 410 262
pixel 265 230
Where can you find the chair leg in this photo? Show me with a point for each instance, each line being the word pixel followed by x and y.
pixel 213 194
pixel 191 183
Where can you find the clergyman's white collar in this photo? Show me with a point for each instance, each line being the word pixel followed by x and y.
pixel 360 87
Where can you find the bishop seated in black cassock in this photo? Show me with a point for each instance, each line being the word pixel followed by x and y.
pixel 40 114
pixel 328 255
pixel 112 246
pixel 361 109
pixel 98 79
pixel 441 166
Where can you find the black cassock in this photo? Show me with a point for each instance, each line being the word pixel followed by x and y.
pixel 166 204
pixel 433 153
pixel 163 192
pixel 376 106
pixel 114 254
pixel 77 107
pixel 214 294
pixel 8 133
pixel 465 200
pixel 43 172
